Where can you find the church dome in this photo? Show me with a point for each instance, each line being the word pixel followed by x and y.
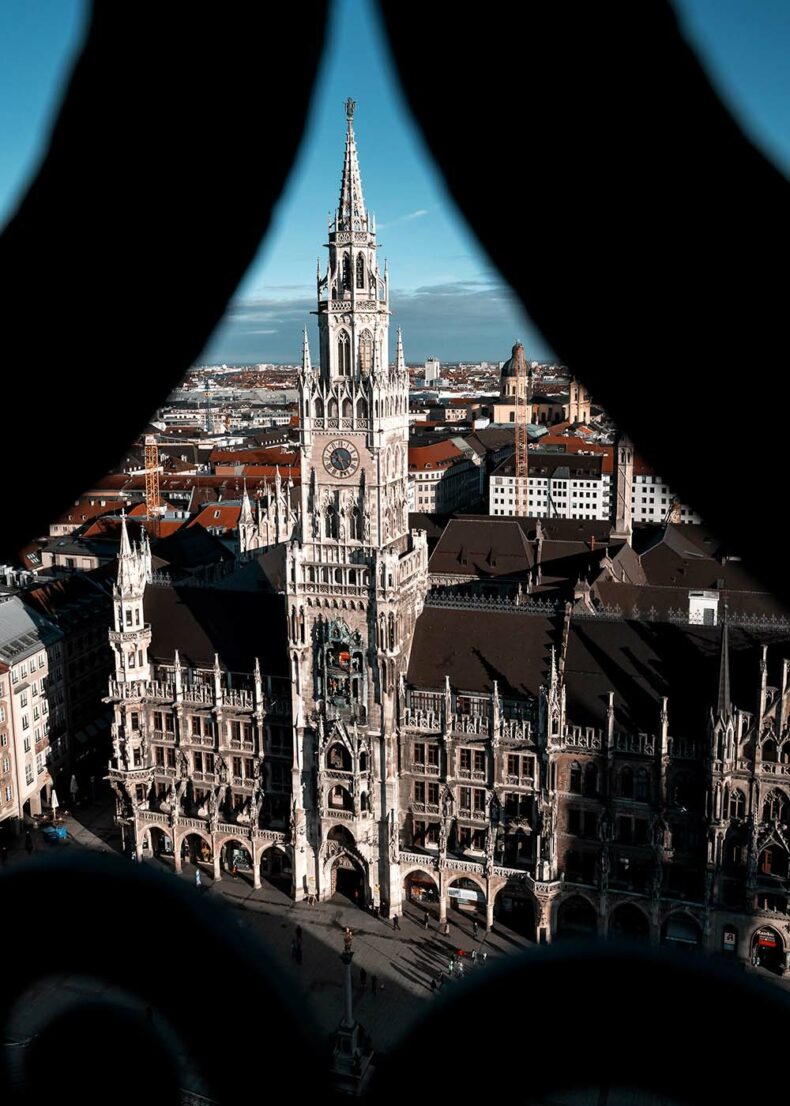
pixel 516 365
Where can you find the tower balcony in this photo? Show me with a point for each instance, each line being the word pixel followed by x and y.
pixel 138 633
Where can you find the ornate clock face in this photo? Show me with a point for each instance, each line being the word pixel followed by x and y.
pixel 341 458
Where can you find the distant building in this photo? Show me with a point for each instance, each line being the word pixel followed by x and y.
pixel 433 370
pixel 587 486
pixel 33 733
pixel 443 478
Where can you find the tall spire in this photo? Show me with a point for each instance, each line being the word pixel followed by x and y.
pixel 352 202
pixel 126 548
pixel 307 366
pixel 400 363
pixel 724 701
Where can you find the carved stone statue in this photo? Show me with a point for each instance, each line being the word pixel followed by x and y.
pixel 116 748
pixel 605 868
pixel 443 836
pixel 447 803
pixel 213 810
pixel 605 826
pixel 367 524
pixel 222 770
pixel 394 841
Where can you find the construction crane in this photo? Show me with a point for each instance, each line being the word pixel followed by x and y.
pixel 523 390
pixel 153 500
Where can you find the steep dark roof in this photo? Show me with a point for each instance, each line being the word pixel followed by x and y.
pixel 483 548
pixel 474 648
pixel 642 661
pixel 201 621
pixel 191 547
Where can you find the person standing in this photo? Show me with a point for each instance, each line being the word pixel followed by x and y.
pixel 396 922
pixel 198 881
pixel 474 930
pixel 28 841
pixel 446 930
pixel 426 920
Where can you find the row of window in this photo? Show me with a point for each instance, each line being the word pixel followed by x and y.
pixel 23 669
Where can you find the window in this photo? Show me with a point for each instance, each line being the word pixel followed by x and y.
pixel 433 793
pixel 40 763
pixel 6 764
pixel 237 766
pixel 23 698
pixel 419 753
pixel 433 754
pixel 419 791
pixel 2 714
pixel 28 774
pixel 170 755
pixel 480 761
pixel 479 798
pixel 8 793
pixel 466 798
pixel 198 759
pixel 466 760
pixel 575 783
pixel 25 722
pixel 159 756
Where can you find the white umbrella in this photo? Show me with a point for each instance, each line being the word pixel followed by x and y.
pixel 54 802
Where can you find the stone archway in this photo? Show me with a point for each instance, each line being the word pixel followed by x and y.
pixel 347 879
pixel 420 888
pixel 467 897
pixel 196 849
pixel 276 868
pixel 160 843
pixel 235 858
pixel 515 908
pixel 628 922
pixel 576 918
pixel 768 950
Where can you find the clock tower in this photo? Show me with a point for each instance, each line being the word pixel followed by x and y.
pixel 356 575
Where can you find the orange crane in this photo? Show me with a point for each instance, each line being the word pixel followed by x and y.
pixel 153 500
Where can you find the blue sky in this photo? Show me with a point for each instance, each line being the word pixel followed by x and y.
pixel 445 293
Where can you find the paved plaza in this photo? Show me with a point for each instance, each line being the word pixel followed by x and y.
pixel 403 962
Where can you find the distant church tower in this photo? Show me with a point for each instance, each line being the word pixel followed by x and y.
pixel 516 376
pixel 356 576
pixel 624 488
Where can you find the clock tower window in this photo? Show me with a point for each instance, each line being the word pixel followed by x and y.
pixel 365 352
pixel 343 354
pixel 346 273
pixel 360 271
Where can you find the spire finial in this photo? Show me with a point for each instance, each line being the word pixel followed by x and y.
pixel 307 366
pixel 126 548
pixel 351 204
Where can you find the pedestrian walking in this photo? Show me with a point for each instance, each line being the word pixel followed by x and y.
pixel 28 842
pixel 363 977
pixel 396 922
pixel 374 985
pixel 198 881
pixel 426 920
pixel 446 930
pixel 474 930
